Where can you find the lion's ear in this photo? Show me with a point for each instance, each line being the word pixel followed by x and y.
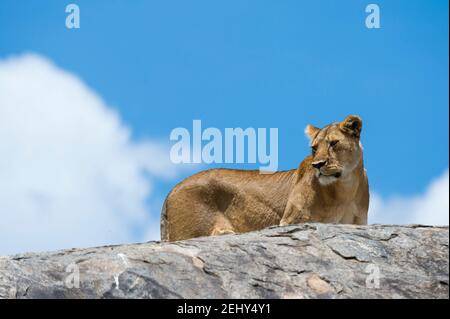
pixel 351 125
pixel 311 131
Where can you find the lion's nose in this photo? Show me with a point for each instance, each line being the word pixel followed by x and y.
pixel 318 164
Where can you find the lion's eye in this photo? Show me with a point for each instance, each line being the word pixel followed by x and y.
pixel 333 143
pixel 314 149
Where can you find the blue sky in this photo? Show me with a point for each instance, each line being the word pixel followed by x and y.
pixel 283 64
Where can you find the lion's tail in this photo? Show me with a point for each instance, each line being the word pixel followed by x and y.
pixel 164 222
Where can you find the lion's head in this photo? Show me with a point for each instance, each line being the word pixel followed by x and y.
pixel 336 149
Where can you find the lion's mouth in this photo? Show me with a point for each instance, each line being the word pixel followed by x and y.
pixel 336 175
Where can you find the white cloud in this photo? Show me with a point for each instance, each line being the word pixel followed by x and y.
pixel 429 208
pixel 70 175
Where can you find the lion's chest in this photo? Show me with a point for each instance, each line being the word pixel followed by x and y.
pixel 338 214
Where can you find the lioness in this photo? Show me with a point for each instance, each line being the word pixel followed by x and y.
pixel 329 186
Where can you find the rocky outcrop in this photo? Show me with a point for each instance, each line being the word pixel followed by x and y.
pixel 299 261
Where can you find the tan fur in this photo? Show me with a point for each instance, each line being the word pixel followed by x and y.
pixel 224 201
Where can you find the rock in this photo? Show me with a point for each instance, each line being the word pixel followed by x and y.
pixel 299 261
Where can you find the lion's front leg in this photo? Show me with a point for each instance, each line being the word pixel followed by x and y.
pixel 296 212
pixel 360 220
